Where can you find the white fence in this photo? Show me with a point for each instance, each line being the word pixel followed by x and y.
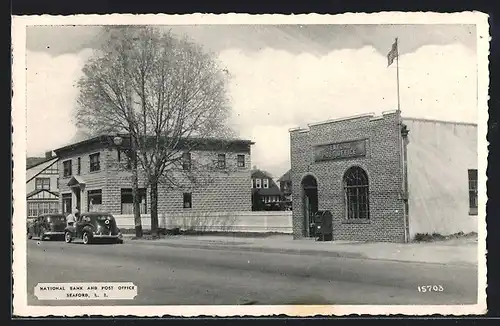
pixel 265 221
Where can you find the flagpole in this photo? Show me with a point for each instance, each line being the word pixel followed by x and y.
pixel 397 72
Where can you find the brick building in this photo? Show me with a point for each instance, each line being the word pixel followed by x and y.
pixel 385 178
pixel 94 175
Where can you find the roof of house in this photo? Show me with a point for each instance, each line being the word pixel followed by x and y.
pixel 256 173
pixel 285 177
pixel 273 190
pixel 36 191
pixel 200 142
pixel 34 161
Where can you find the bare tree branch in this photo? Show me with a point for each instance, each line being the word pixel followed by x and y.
pixel 161 91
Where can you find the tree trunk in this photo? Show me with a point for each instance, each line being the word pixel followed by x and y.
pixel 154 208
pixel 135 194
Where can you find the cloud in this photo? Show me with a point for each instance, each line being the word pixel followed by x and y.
pixel 51 95
pixel 274 90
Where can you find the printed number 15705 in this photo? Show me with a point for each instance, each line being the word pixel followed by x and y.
pixel 430 288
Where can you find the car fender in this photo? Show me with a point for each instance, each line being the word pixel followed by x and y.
pixel 89 229
pixel 70 229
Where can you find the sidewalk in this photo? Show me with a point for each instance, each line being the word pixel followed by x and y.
pixel 457 251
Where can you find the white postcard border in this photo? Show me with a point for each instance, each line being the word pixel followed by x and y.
pixel 19 24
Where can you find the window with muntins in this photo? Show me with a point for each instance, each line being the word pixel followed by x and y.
pixel 258 184
pixel 95 164
pixel 94 199
pixel 52 169
pixel 356 194
pixel 42 183
pixel 473 192
pixel 221 161
pixel 67 168
pixel 127 201
pixel 266 183
pixel 241 161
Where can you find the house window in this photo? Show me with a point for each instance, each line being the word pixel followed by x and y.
pixel 57 183
pixel 95 164
pixel 356 193
pixel 79 170
pixel 94 200
pixel 32 209
pixel 473 192
pixel 127 201
pixel 67 168
pixel 187 199
pixel 258 184
pixel 42 183
pixel 266 183
pixel 186 161
pixel 241 161
pixel 54 207
pixel 52 169
pixel 221 161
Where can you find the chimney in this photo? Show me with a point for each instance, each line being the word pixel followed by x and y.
pixel 48 155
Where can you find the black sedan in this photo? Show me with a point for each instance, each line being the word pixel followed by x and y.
pixel 47 226
pixel 94 227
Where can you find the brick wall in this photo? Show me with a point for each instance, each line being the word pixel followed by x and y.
pixel 382 164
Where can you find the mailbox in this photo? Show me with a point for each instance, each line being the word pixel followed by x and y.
pixel 323 221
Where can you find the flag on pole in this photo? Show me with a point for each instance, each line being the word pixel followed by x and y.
pixel 393 53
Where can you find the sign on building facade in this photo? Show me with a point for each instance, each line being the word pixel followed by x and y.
pixel 335 151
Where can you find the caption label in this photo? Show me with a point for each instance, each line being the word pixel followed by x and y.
pixel 86 291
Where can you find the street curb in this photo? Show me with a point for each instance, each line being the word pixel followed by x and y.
pixel 322 253
pixel 309 252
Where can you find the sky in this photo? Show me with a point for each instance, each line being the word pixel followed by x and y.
pixel 282 76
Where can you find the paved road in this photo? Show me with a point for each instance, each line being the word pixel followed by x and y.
pixel 185 276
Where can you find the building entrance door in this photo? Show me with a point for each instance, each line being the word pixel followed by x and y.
pixel 66 203
pixel 78 199
pixel 310 204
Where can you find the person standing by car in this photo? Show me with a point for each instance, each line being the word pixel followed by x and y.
pixel 71 218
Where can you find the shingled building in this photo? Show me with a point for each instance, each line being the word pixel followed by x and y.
pixel 95 175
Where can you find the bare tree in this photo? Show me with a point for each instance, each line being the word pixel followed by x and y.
pixel 166 94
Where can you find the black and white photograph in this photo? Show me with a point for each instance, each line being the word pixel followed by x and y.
pixel 250 165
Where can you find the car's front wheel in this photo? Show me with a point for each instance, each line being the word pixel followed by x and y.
pixel 86 237
pixel 67 237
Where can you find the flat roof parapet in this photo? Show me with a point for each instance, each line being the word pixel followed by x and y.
pixel 439 121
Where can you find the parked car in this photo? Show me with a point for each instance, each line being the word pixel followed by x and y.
pixel 93 227
pixel 47 226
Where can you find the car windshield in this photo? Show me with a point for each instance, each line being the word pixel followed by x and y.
pixel 55 219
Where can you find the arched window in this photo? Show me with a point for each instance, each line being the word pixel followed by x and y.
pixel 356 193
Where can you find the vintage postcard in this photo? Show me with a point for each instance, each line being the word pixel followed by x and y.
pixel 239 165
